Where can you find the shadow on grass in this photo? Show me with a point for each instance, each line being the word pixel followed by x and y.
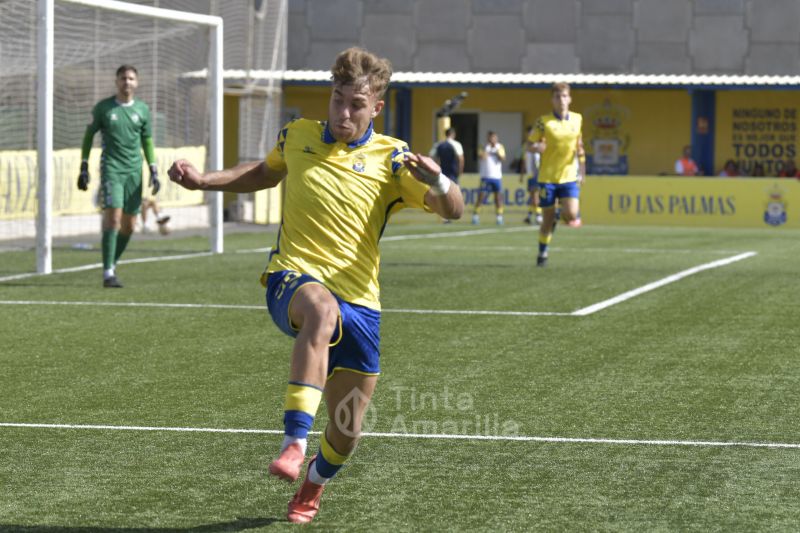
pixel 240 524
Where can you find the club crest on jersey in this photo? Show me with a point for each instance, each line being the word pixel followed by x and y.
pixel 359 165
pixel 775 212
pixel 135 117
pixel 113 116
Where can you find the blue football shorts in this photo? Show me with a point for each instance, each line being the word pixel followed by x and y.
pixel 549 192
pixel 354 345
pixel 491 185
pixel 533 182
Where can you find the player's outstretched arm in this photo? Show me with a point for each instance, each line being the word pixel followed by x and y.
pixel 444 197
pixel 246 177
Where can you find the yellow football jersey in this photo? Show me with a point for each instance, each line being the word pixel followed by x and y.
pixel 561 135
pixel 338 200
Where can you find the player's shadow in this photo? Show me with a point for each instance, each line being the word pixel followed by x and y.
pixel 240 524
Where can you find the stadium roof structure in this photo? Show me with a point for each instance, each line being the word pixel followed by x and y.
pixel 314 77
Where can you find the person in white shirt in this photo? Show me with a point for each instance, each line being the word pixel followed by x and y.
pixel 490 165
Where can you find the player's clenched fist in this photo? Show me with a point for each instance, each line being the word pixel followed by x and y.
pixel 184 174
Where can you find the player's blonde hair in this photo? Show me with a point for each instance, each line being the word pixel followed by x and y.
pixel 355 63
pixel 561 86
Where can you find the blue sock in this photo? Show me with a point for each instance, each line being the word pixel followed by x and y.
pixel 302 401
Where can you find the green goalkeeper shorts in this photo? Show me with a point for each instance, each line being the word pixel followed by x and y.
pixel 122 191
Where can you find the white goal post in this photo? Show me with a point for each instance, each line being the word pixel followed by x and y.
pixel 45 67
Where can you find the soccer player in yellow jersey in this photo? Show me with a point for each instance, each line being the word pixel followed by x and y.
pixel 557 137
pixel 343 181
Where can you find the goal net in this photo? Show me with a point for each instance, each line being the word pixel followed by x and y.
pixel 91 39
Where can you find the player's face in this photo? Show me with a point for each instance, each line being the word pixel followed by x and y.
pixel 127 82
pixel 561 101
pixel 352 107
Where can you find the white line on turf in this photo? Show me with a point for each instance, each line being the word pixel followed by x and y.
pixel 532 249
pixel 262 307
pixel 132 304
pixel 465 233
pixel 93 266
pixel 474 312
pixel 660 283
pixel 580 312
pixel 441 436
pixel 416 236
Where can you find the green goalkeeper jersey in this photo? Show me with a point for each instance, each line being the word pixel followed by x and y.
pixel 124 128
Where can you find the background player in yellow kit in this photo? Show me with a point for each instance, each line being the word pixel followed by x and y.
pixel 558 138
pixel 343 181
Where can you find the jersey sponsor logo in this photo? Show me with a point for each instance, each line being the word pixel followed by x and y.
pixel 307 150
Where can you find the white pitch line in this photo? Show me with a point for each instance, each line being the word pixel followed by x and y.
pixel 417 236
pixel 464 233
pixel 580 312
pixel 532 249
pixel 438 436
pixel 93 266
pixel 660 283
pixel 262 308
pixel 132 304
pixel 474 312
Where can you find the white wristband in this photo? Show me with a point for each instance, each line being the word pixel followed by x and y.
pixel 441 186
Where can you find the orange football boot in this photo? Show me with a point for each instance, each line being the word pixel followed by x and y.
pixel 288 464
pixel 304 506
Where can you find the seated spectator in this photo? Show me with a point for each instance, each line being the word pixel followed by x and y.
pixel 685 166
pixel 731 169
pixel 758 170
pixel 789 170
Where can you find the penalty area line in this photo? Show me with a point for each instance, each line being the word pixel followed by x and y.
pixel 437 436
pixel 94 266
pixel 262 308
pixel 660 283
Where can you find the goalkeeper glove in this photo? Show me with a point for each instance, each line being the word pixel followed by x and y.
pixel 83 177
pixel 154 183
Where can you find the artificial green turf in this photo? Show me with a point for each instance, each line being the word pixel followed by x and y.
pixel 712 357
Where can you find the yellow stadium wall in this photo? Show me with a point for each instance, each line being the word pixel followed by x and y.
pixel 756 127
pixel 709 202
pixel 668 201
pixel 19 180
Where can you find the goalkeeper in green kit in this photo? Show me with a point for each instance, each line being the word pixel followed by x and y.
pixel 126 129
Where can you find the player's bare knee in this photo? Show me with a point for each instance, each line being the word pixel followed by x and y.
pixel 320 319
